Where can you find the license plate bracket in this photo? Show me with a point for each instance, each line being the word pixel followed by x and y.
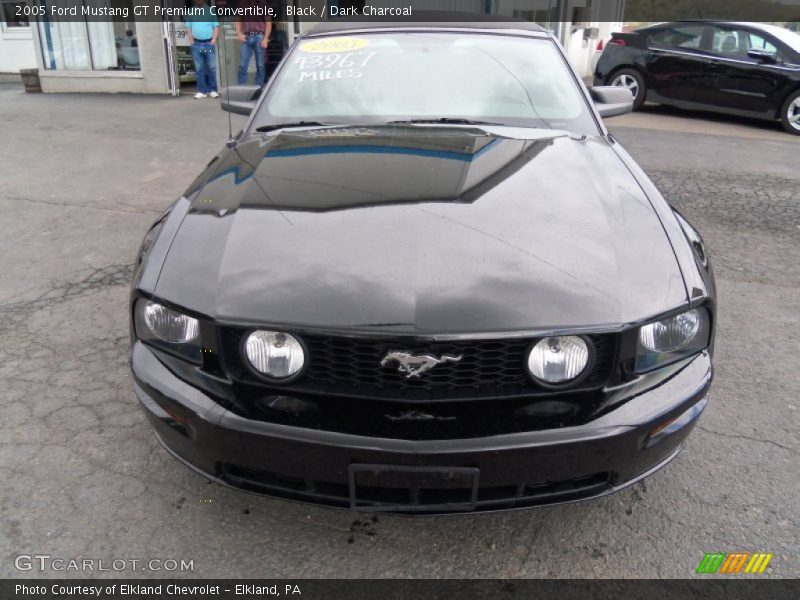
pixel 405 488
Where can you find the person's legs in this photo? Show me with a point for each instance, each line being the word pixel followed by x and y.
pixel 200 67
pixel 211 68
pixel 245 50
pixel 259 60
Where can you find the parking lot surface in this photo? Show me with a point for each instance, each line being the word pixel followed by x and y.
pixel 82 475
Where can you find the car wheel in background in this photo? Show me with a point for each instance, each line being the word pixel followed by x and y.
pixel 633 80
pixel 790 113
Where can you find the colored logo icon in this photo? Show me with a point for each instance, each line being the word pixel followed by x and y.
pixel 733 563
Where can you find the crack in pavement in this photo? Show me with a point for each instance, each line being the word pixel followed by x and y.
pixel 129 209
pixel 104 277
pixel 740 436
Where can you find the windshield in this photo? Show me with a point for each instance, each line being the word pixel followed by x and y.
pixel 382 77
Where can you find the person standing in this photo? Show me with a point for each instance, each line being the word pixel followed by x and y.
pixel 203 31
pixel 253 32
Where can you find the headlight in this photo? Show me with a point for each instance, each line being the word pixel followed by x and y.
pixel 672 339
pixel 670 334
pixel 274 354
pixel 169 325
pixel 168 329
pixel 558 360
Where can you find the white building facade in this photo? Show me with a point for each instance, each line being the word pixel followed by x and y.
pixel 16 38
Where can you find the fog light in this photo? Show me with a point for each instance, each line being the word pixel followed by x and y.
pixel 557 360
pixel 275 354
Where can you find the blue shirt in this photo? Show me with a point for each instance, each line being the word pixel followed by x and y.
pixel 202 25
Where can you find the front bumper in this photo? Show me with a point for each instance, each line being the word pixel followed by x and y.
pixel 423 476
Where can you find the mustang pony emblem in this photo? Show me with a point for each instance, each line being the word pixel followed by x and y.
pixel 414 365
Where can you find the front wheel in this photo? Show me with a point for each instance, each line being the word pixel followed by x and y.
pixel 790 114
pixel 633 80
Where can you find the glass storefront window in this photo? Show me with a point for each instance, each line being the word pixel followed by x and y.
pixel 88 45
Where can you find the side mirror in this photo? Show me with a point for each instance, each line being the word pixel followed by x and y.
pixel 761 54
pixel 612 101
pixel 239 99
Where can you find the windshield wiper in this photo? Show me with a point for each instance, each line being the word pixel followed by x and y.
pixel 443 121
pixel 265 128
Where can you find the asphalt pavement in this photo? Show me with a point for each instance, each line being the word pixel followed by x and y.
pixel 81 179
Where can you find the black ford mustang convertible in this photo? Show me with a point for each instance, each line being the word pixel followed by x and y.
pixel 423 278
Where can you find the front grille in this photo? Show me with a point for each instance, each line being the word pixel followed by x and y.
pixel 435 499
pixel 351 366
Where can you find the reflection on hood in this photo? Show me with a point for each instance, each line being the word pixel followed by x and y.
pixel 422 229
pixel 341 168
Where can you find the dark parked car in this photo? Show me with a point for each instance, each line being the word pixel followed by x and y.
pixel 746 69
pixel 423 278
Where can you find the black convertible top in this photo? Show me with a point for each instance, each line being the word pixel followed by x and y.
pixel 427 19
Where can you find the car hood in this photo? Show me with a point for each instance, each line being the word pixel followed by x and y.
pixel 422 230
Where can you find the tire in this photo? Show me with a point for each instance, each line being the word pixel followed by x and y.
pixel 633 80
pixel 790 113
